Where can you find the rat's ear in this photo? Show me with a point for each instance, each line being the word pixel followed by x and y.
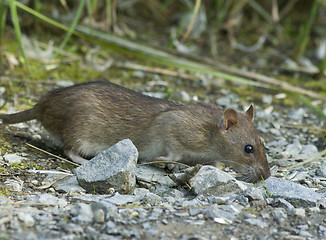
pixel 230 119
pixel 250 113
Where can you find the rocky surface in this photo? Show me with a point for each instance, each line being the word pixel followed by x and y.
pixel 202 202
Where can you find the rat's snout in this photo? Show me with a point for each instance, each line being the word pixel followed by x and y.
pixel 260 172
pixel 255 173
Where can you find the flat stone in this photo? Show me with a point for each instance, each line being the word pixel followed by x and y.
pixel 68 184
pixel 150 175
pixel 115 199
pixel 47 198
pixel 113 168
pixel 212 181
pixel 13 158
pixel 146 196
pixel 296 194
pixel 256 222
pixel 253 194
pixel 218 215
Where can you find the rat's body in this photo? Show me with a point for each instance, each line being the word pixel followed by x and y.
pixel 88 118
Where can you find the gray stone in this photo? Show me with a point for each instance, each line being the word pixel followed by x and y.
pixel 151 175
pixel 12 158
pixel 253 194
pixel 105 206
pixel 298 212
pixel 172 192
pixel 146 196
pixel 110 210
pixel 47 198
pixel 321 171
pixel 26 219
pixel 99 215
pixel 313 210
pixel 155 214
pixel 183 95
pixel 113 168
pixel 72 228
pixel 15 185
pixel 322 231
pixel 26 235
pixel 293 149
pixel 279 215
pixel 92 232
pixel 256 222
pixel 308 151
pixel 118 199
pixel 297 114
pixel 305 234
pixel 128 213
pixel 218 215
pixel 68 184
pixel 4 199
pixel 82 213
pixel 280 202
pixel 300 176
pixel 218 200
pixel 111 228
pixel 294 193
pixel 212 181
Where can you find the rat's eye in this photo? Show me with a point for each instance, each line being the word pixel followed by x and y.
pixel 249 149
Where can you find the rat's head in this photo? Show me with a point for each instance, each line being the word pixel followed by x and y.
pixel 241 146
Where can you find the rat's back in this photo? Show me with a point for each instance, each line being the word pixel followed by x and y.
pixel 87 118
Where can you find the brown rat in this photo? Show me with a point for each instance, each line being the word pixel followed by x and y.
pixel 88 118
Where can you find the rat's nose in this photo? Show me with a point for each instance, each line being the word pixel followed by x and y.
pixel 261 172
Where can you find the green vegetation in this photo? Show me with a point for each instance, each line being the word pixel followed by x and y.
pixel 4 191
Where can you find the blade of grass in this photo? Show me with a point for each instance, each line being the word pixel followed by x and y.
pixel 222 7
pixel 304 32
pixel 3 16
pixel 43 17
pixel 89 12
pixel 322 68
pixel 72 27
pixel 192 21
pixel 15 20
pixel 259 9
pixel 109 13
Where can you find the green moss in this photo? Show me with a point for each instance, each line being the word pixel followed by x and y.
pixel 4 191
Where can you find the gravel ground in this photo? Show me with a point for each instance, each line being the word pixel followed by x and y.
pixel 40 199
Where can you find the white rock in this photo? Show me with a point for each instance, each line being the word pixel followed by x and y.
pixel 26 219
pixel 13 158
pixel 212 181
pixel 15 185
pixel 113 168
